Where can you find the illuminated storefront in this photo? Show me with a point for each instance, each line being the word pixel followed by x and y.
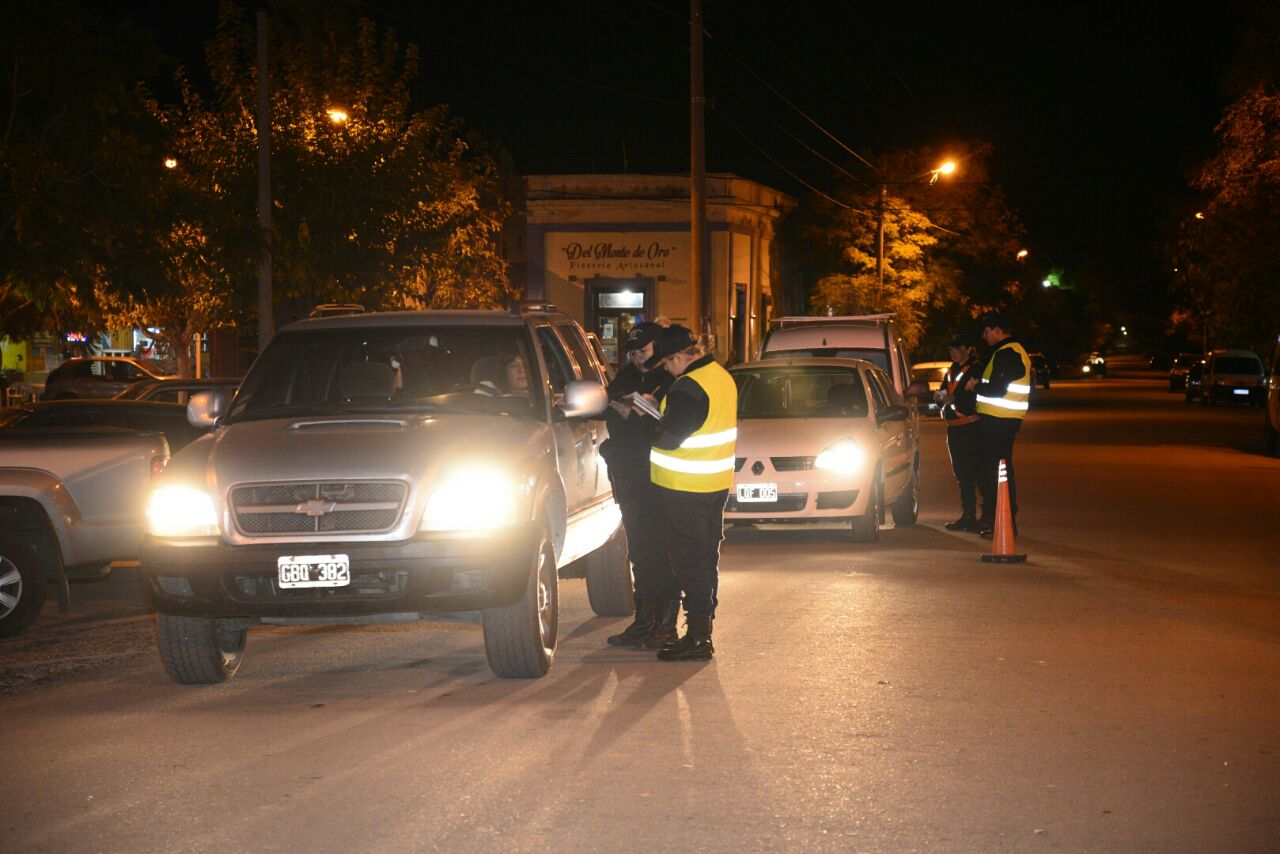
pixel 614 250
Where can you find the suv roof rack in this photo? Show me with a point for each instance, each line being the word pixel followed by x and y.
pixel 335 309
pixel 822 318
pixel 520 306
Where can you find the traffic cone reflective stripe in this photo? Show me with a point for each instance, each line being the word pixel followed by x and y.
pixel 1002 535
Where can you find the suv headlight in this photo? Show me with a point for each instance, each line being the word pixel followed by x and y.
pixel 844 457
pixel 180 511
pixel 472 500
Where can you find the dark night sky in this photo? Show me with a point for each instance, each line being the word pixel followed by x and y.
pixel 1096 111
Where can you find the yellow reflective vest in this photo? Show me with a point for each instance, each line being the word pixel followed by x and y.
pixel 704 461
pixel 1017 400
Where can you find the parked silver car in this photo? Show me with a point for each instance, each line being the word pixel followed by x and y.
pixel 101 376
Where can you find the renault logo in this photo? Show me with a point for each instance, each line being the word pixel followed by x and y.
pixel 757 468
pixel 315 507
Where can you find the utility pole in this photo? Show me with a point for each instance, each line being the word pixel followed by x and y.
pixel 266 318
pixel 880 245
pixel 698 302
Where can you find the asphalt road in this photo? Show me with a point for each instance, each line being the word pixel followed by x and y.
pixel 1117 692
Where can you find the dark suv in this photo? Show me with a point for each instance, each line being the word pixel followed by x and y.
pixel 385 468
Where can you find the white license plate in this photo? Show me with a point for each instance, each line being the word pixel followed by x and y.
pixel 314 571
pixel 1240 391
pixel 748 492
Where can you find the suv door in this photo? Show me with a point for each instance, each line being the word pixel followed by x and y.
pixel 575 437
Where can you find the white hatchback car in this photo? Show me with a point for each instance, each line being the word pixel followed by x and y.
pixel 823 440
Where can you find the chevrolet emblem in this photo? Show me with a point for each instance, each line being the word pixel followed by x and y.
pixel 315 507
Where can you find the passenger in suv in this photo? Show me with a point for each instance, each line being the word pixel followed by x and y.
pixel 366 472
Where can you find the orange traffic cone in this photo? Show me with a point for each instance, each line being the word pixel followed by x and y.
pixel 1002 537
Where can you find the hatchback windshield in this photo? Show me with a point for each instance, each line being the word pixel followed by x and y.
pixel 315 372
pixel 879 358
pixel 800 392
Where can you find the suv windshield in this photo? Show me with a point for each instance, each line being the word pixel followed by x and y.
pixel 1236 365
pixel 315 372
pixel 806 392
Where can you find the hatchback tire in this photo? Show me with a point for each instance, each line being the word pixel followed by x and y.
pixel 199 650
pixel 866 528
pixel 520 638
pixel 906 510
pixel 1270 438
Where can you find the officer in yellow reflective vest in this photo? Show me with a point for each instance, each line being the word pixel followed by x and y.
pixel 691 466
pixel 1004 396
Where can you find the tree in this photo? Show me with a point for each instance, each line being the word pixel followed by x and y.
pixel 75 157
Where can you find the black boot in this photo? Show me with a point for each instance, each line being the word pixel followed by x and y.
pixel 694 646
pixel 966 522
pixel 664 625
pixel 634 634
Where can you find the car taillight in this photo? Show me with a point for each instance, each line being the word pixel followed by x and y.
pixel 157 465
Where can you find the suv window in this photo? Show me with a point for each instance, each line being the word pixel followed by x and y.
pixel 316 372
pixel 578 346
pixel 1236 365
pixel 558 367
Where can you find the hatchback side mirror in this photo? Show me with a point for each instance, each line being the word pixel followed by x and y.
pixel 583 399
pixel 892 413
pixel 919 390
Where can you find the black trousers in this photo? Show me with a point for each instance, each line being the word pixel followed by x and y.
pixel 997 444
pixel 694 529
pixel 964 441
pixel 643 519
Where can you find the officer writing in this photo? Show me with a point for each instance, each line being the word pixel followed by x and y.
pixel 691 466
pixel 627 453
pixel 1003 398
pixel 958 407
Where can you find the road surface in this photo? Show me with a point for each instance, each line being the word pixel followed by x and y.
pixel 1120 691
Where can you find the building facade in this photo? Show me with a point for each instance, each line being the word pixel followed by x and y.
pixel 614 250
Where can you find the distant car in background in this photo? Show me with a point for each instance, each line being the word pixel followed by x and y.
pixel 1178 370
pixel 1233 377
pixel 178 390
pixel 1097 364
pixel 1080 368
pixel 101 376
pixel 143 416
pixel 1193 381
pixel 1041 371
pixel 931 373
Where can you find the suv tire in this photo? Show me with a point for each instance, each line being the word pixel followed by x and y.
pixel 199 650
pixel 609 584
pixel 520 638
pixel 22 586
pixel 1270 438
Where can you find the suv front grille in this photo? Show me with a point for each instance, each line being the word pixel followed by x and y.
pixel 368 507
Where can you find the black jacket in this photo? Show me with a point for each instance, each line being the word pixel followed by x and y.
pixel 627 448
pixel 963 403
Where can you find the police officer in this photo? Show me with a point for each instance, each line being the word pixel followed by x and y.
pixel 1003 398
pixel 964 433
pixel 691 465
pixel 627 453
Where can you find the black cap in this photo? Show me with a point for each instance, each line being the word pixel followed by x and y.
pixel 640 336
pixel 670 341
pixel 961 339
pixel 994 320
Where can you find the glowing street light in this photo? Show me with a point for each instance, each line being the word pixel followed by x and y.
pixel 337 116
pixel 170 163
pixel 1199 215
pixel 1047 283
pixel 1022 254
pixel 945 168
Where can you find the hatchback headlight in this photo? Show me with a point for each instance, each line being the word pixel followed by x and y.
pixel 845 457
pixel 180 511
pixel 472 500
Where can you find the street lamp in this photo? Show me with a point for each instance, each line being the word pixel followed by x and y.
pixel 1022 254
pixel 170 163
pixel 947 167
pixel 337 115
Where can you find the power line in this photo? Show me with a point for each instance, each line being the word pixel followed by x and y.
pixel 775 162
pixel 520 62
pixel 786 101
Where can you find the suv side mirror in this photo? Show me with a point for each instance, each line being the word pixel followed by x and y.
pixel 205 408
pixel 583 399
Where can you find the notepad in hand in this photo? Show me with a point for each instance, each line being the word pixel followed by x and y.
pixel 643 404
